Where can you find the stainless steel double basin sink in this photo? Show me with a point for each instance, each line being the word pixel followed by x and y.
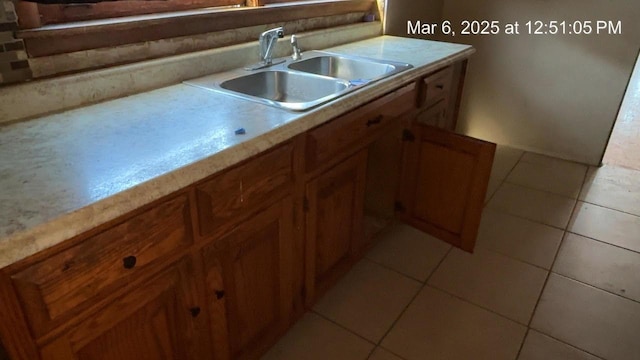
pixel 300 85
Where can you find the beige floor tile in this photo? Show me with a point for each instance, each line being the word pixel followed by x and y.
pixel 599 322
pixel 493 186
pixel 504 161
pixel 382 354
pixel 368 299
pixel 438 326
pixel 538 346
pixel 507 286
pixel 519 238
pixel 606 225
pixel 624 143
pixel 613 187
pixel 549 174
pixel 314 338
pixel 409 251
pixel 536 205
pixel 602 265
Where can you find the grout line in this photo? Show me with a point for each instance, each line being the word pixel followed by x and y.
pixel 609 208
pixel 389 351
pixel 555 257
pixel 393 324
pixel 531 220
pixel 372 351
pixel 439 264
pixel 546 280
pixel 542 190
pixel 528 187
pixel 479 246
pixel 566 343
pixel 343 327
pixel 503 180
pixel 477 305
pixel 524 339
pixel 596 287
pixel 604 242
pixel 387 267
pixel 414 297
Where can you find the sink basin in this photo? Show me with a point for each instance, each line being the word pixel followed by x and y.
pixel 356 70
pixel 300 85
pixel 286 87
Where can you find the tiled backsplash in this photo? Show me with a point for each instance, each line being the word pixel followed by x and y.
pixel 14 65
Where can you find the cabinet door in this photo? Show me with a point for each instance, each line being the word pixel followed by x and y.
pixel 161 319
pixel 255 260
pixel 334 223
pixel 443 183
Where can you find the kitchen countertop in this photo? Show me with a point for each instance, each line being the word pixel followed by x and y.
pixel 63 174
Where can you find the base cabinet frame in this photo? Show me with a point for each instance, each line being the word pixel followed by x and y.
pixel 249 248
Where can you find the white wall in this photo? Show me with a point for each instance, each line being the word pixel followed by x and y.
pixel 553 94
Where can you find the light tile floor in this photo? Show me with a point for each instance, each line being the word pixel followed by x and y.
pixel 555 275
pixel 624 144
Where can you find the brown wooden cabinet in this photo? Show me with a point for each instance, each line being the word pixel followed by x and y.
pixel 219 270
pixel 250 270
pixel 55 289
pixel 443 183
pixel 334 210
pixel 164 319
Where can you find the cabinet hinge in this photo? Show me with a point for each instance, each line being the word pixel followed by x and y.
pixel 305 204
pixel 398 206
pixel 407 135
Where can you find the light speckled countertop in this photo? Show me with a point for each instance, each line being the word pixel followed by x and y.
pixel 64 174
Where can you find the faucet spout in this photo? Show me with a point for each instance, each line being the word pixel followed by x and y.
pixel 267 42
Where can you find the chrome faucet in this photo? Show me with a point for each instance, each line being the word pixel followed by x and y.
pixel 296 50
pixel 267 42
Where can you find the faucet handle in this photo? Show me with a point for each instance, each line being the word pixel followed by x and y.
pixel 296 49
pixel 279 32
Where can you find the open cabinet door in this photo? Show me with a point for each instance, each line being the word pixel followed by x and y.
pixel 443 183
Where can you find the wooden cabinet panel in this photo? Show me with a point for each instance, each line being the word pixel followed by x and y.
pixel 436 87
pixel 237 192
pixel 358 127
pixel 54 289
pixel 444 182
pixel 255 260
pixel 165 319
pixel 214 287
pixel 334 222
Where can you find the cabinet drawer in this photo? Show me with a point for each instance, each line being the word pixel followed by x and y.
pixel 358 126
pixel 241 190
pixel 58 287
pixel 436 87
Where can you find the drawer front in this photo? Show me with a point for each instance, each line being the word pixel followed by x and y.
pixel 436 87
pixel 55 289
pixel 241 190
pixel 358 126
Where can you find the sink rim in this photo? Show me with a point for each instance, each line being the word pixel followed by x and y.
pixel 295 106
pixel 214 82
pixel 398 66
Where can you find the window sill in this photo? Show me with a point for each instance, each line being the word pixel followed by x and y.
pixel 70 37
